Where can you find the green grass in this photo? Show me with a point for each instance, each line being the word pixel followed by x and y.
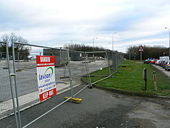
pixel 130 78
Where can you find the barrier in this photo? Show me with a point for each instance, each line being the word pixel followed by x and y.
pixel 70 67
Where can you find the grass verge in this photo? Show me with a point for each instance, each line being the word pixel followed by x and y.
pixel 129 78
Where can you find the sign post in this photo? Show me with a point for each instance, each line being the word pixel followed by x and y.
pixel 46 77
pixel 154 80
pixel 141 51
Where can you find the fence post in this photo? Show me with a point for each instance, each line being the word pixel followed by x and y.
pixel 60 56
pixel 70 75
pixel 107 57
pixel 10 82
pixel 112 62
pixel 87 71
pixel 0 56
pixel 145 78
pixel 154 80
pixel 65 68
pixel 15 85
pixel 115 61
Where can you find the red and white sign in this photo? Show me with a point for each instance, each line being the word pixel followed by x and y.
pixel 46 77
pixel 141 49
pixel 45 61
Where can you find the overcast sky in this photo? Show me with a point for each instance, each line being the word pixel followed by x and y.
pixel 59 22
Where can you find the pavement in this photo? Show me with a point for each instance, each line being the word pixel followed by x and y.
pixel 99 109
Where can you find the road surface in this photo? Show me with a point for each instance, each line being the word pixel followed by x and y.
pixel 99 109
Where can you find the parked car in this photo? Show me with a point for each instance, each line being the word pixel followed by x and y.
pixel 153 61
pixel 167 66
pixel 157 62
pixel 163 63
pixel 147 61
pixel 150 61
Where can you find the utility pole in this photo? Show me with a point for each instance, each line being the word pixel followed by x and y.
pixel 112 55
pixel 113 52
pixel 93 47
pixel 169 39
pixel 141 57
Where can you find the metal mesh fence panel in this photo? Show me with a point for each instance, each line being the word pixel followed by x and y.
pixel 97 65
pixel 7 94
pixel 71 67
pixel 67 75
pixel 27 74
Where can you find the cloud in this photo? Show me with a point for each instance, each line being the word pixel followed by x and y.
pixel 57 22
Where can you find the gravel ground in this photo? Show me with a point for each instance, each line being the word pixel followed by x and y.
pixel 99 109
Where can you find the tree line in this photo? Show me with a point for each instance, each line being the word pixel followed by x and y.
pixel 21 51
pixel 86 48
pixel 149 52
pixel 82 47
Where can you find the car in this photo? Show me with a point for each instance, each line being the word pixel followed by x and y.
pixel 157 62
pixel 167 66
pixel 163 63
pixel 150 61
pixel 153 61
pixel 147 61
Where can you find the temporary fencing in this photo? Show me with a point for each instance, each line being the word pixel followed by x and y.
pixel 22 91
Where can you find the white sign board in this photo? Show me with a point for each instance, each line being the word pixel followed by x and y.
pixel 46 77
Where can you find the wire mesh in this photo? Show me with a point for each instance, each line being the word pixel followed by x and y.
pixel 6 105
pixel 70 69
pixel 97 65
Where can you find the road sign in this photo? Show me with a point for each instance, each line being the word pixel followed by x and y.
pixel 46 77
pixel 141 49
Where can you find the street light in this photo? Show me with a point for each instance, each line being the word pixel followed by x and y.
pixel 113 40
pixel 112 52
pixel 169 39
pixel 94 40
pixel 93 46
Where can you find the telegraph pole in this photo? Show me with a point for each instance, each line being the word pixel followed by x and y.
pixel 169 39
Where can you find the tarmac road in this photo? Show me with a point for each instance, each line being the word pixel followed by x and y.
pixel 99 109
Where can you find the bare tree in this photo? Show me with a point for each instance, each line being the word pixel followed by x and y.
pixel 22 51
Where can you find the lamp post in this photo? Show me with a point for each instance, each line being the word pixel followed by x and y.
pixel 113 40
pixel 112 54
pixel 169 39
pixel 93 46
pixel 115 63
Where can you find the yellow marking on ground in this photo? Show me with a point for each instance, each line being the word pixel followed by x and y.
pixel 74 100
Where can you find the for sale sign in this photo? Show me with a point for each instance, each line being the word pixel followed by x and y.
pixel 46 77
